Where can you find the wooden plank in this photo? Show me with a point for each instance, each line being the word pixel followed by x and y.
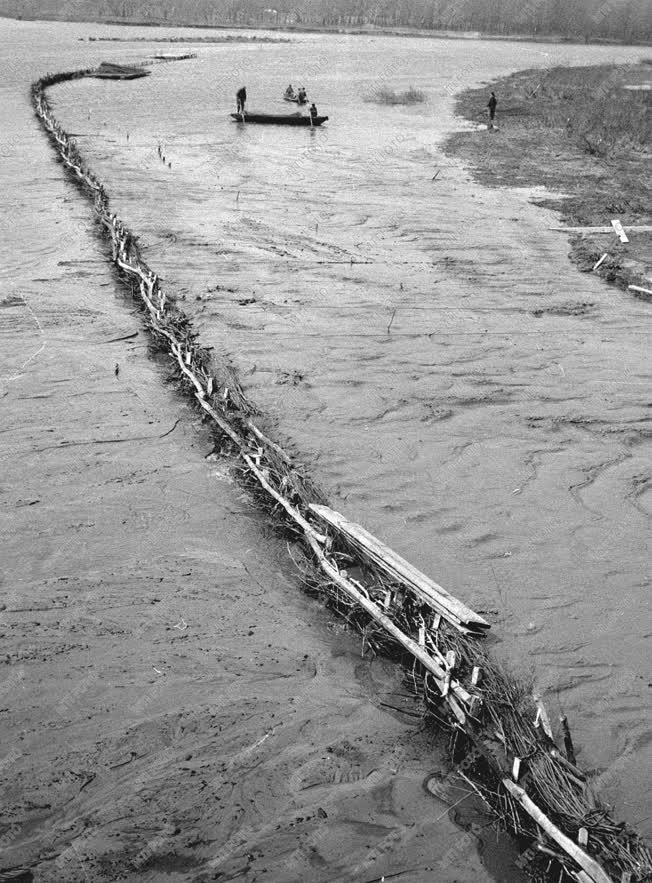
pixel 618 229
pixel 629 228
pixel 588 864
pixel 398 568
pixel 638 288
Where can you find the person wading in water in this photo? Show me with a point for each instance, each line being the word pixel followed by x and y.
pixel 241 99
pixel 491 104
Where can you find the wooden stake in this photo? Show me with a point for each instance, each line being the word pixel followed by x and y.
pixel 618 229
pixel 568 742
pixel 588 864
pixel 542 718
pixel 599 263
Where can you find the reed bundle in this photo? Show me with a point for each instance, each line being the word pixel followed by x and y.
pixel 500 730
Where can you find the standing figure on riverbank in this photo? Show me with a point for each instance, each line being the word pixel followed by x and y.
pixel 491 104
pixel 241 99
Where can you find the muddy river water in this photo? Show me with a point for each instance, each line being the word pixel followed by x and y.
pixel 450 379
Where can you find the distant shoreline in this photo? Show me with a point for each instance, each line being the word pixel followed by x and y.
pixel 577 131
pixel 364 31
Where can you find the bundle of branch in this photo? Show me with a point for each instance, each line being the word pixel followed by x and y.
pixel 516 766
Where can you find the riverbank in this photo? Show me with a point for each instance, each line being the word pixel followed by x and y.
pixel 345 30
pixel 583 134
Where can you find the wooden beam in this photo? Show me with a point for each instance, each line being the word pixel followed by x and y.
pixel 428 591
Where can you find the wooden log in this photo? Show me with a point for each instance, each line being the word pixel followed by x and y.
pixel 428 591
pixel 270 444
pixel 586 863
pixel 224 426
pixel 639 289
pixel 307 528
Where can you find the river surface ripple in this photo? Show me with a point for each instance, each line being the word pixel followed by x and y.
pixel 453 382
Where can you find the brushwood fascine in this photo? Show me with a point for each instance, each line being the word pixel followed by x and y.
pixel 501 738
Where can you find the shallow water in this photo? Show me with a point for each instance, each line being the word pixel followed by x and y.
pixel 387 323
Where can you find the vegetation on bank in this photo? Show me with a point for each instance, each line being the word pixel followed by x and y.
pixel 580 132
pixel 628 21
pixel 385 95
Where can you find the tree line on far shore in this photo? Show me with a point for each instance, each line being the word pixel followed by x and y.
pixel 628 21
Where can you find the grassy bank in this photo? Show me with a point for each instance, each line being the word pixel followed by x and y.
pixel 581 133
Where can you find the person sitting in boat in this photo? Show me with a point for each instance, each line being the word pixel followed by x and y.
pixel 289 92
pixel 301 96
pixel 313 111
pixel 241 99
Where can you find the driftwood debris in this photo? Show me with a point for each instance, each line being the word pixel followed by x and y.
pixel 399 610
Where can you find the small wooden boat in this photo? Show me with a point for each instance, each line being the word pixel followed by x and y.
pixel 109 71
pixel 295 99
pixel 293 119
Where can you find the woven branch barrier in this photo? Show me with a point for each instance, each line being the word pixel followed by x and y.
pixel 501 739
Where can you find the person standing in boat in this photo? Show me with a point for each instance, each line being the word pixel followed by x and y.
pixel 241 99
pixel 302 96
pixel 313 111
